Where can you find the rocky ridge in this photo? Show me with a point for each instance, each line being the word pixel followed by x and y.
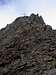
pixel 28 47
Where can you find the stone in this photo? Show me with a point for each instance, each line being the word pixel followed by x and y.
pixel 28 47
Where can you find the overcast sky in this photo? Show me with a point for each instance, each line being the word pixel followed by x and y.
pixel 10 9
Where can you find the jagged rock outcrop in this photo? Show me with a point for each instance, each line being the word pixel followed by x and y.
pixel 28 47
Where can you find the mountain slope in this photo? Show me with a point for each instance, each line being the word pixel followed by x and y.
pixel 28 47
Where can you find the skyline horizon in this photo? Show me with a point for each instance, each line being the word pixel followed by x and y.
pixel 11 9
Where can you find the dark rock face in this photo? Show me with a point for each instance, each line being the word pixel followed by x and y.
pixel 28 47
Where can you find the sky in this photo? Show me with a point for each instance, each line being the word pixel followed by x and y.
pixel 11 9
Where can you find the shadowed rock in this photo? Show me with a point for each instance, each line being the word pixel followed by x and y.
pixel 28 47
